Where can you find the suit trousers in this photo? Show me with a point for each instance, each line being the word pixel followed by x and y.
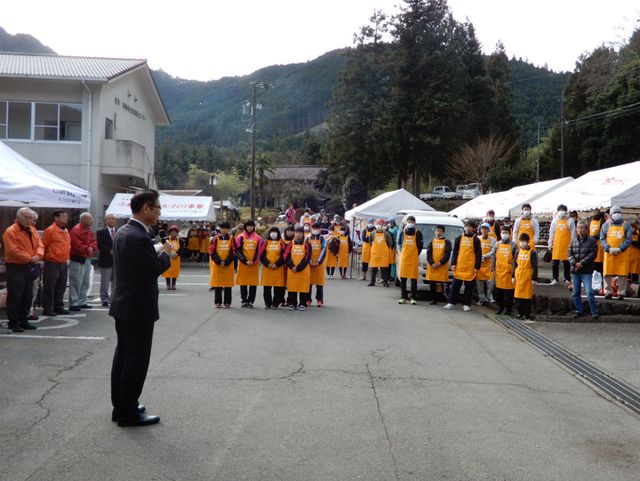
pixel 273 300
pixel 106 276
pixel 54 285
pixel 19 294
pixel 130 365
pixel 249 296
pixel 79 282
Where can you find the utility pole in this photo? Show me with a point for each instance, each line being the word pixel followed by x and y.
pixel 562 134
pixel 252 200
pixel 538 156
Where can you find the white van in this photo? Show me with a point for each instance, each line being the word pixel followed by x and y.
pixel 426 222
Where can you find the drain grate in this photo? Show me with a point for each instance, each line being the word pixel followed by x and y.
pixel 600 380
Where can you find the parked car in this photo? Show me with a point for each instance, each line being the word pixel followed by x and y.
pixel 472 191
pixel 439 192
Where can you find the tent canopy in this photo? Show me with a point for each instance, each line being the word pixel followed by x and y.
pixel 604 188
pixel 386 205
pixel 174 207
pixel 509 202
pixel 23 183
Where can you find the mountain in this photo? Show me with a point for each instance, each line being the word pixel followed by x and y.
pixel 22 43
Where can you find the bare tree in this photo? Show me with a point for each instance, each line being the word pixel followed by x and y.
pixel 473 162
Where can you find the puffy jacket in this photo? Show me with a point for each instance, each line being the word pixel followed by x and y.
pixel 583 250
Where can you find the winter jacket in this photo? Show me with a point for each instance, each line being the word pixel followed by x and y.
pixel 583 250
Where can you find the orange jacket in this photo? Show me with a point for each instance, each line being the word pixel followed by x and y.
pixel 57 244
pixel 19 247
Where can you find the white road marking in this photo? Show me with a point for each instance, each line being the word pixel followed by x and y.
pixel 29 336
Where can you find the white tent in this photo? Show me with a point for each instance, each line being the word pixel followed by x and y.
pixel 23 183
pixel 600 188
pixel 386 205
pixel 509 202
pixel 174 207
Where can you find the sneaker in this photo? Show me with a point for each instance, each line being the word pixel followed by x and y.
pixel 302 307
pixel 576 315
pixel 320 303
pixel 450 306
pixel 218 306
pixel 16 328
pixel 621 298
pixel 244 304
pixel 379 281
pixel 28 327
pixel 330 276
pixel 433 302
pixel 386 284
pixel 554 282
pixel 499 312
pixel 291 307
pixel 363 278
pixel 62 311
pixel 250 305
pixel 33 317
pixel 401 301
pixel 480 303
pixel 492 300
pixel 105 304
pixel 308 303
pixel 608 296
pixel 371 284
pixel 595 316
pixel 227 306
pixel 413 302
pixel 49 313
pixel 466 308
pixel 567 282
pixel 74 308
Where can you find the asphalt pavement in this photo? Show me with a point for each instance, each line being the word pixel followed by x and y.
pixel 363 388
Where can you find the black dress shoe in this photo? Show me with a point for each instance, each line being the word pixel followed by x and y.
pixel 28 327
pixel 74 308
pixel 141 420
pixel 61 311
pixel 16 328
pixel 86 306
pixel 499 311
pixel 114 414
pixel 105 304
pixel 49 313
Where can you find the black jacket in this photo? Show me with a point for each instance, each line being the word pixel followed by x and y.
pixel 447 252
pixel 477 249
pixel 136 268
pixel 105 245
pixel 583 251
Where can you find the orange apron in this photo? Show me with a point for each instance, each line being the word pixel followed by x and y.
pixel 221 275
pixel 440 274
pixel 492 232
pixel 317 272
pixel 298 281
pixel 331 260
pixel 273 277
pixel 524 275
pixel 248 275
pixel 193 244
pixel 204 244
pixel 561 241
pixel 174 270
pixel 466 259
pixel 617 265
pixel 366 247
pixel 409 257
pixel 343 252
pixel 504 266
pixel 594 231
pixel 484 273
pixel 526 225
pixel 379 251
pixel 634 256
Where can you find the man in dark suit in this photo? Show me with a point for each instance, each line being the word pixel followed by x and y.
pixel 105 238
pixel 134 305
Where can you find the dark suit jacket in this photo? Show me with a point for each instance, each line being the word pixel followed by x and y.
pixel 136 268
pixel 105 245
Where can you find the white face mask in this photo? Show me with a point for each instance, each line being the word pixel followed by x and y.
pixel 343 232
pixel 306 229
pixel 379 227
pixel 526 214
pixel 273 235
pixel 562 214
pixel 505 237
pixel 524 244
pixel 489 219
pixel 370 226
pixel 315 232
pixel 617 216
pixel 410 225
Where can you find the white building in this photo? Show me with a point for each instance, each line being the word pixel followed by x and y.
pixel 90 121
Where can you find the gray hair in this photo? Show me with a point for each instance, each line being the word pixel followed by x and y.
pixel 84 215
pixel 22 211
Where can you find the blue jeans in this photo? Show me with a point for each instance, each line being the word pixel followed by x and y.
pixel 584 279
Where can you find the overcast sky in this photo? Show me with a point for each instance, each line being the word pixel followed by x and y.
pixel 209 39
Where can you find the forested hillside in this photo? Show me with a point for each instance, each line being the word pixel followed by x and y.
pixel 21 42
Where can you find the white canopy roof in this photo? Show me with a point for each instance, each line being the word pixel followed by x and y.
pixel 386 205
pixel 174 207
pixel 23 183
pixel 509 202
pixel 600 188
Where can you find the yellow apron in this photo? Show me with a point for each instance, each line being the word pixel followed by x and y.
pixel 343 252
pixel 248 275
pixel 174 270
pixel 204 244
pixel 409 257
pixel 273 277
pixel 317 272
pixel 594 231
pixel 366 247
pixel 466 259
pixel 484 273
pixel 634 256
pixel 524 275
pixel 221 275
pixel 504 266
pixel 193 244
pixel 617 265
pixel 492 232
pixel 379 251
pixel 526 225
pixel 336 230
pixel 561 241
pixel 298 281
pixel 441 274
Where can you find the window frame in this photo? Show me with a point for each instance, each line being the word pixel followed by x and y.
pixel 33 124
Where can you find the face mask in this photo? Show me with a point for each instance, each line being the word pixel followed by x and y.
pixel 410 225
pixel 505 237
pixel 617 216
pixel 315 232
pixel 379 228
pixel 306 229
pixel 526 214
pixel 524 244
pixel 369 226
pixel 273 235
pixel 343 232
pixel 489 219
pixel 562 214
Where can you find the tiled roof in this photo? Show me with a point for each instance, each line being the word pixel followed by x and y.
pixel 61 67
pixel 295 172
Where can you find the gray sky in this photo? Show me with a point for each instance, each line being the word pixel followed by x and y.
pixel 209 39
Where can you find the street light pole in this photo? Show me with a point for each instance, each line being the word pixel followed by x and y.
pixel 252 200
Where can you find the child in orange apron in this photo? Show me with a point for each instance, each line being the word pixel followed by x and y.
pixel 381 243
pixel 173 272
pixel 272 258
pixel 193 243
pixel 502 261
pixel 465 263
pixel 561 234
pixel 595 226
pixel 205 241
pixel 410 245
pixel 318 255
pixel 616 238
pixel 345 247
pixel 222 252
pixel 526 272
pixel 333 247
pixel 366 247
pixel 247 252
pixel 528 224
pixel 437 274
pixel 484 278
pixel 296 258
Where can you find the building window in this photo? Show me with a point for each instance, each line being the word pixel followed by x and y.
pixel 108 128
pixel 46 122
pixel 71 122
pixel 3 120
pixel 19 120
